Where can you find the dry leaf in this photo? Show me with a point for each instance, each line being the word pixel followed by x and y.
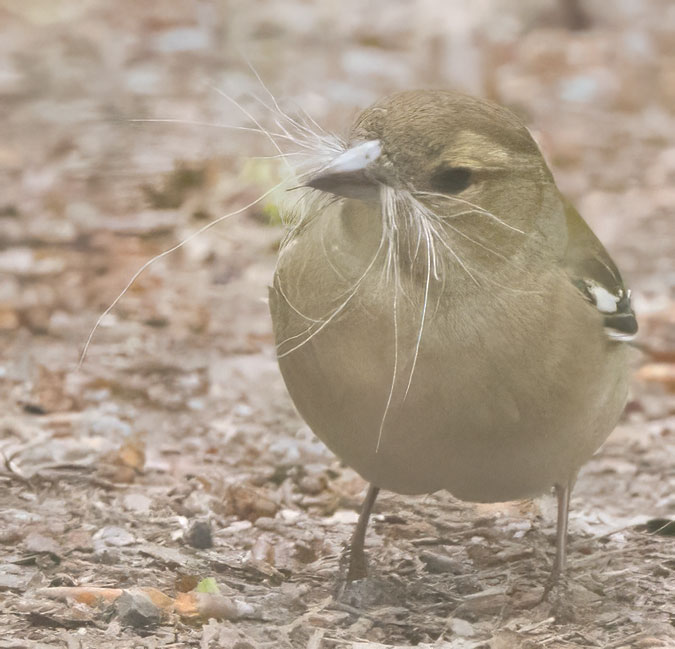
pixel 249 503
pixel 132 454
pixel 92 596
pixel 124 464
pixel 194 605
pixel 9 319
pixel 49 391
pixel 158 598
pixel 663 373
pixel 89 595
pixel 186 583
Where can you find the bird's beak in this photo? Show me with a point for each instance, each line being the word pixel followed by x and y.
pixel 349 174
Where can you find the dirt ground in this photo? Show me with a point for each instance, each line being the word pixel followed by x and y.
pixel 173 458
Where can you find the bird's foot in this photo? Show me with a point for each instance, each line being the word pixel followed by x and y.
pixel 355 554
pixel 558 594
pixel 353 568
pixel 358 566
pixel 556 578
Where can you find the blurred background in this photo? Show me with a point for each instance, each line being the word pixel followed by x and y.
pixel 596 85
pixel 178 412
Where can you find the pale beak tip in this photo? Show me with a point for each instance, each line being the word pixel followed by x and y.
pixel 347 175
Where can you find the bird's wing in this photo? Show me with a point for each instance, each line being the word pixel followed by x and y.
pixel 593 272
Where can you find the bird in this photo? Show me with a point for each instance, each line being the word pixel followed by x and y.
pixel 444 318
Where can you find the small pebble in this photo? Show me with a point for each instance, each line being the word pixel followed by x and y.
pixel 134 608
pixel 199 535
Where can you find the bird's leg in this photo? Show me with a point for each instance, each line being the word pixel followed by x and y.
pixel 357 558
pixel 562 492
pixel 557 586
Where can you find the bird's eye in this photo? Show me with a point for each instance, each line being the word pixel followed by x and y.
pixel 451 180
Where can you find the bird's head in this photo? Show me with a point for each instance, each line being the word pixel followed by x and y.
pixel 435 145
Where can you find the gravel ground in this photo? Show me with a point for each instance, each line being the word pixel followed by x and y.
pixel 173 458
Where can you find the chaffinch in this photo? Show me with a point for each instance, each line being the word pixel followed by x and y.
pixel 444 318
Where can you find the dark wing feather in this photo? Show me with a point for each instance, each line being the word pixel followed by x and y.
pixel 593 272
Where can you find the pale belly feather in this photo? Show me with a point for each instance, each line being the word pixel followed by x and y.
pixel 468 422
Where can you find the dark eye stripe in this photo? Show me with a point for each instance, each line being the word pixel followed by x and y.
pixel 451 180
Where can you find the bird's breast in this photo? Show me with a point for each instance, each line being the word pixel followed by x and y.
pixel 423 385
